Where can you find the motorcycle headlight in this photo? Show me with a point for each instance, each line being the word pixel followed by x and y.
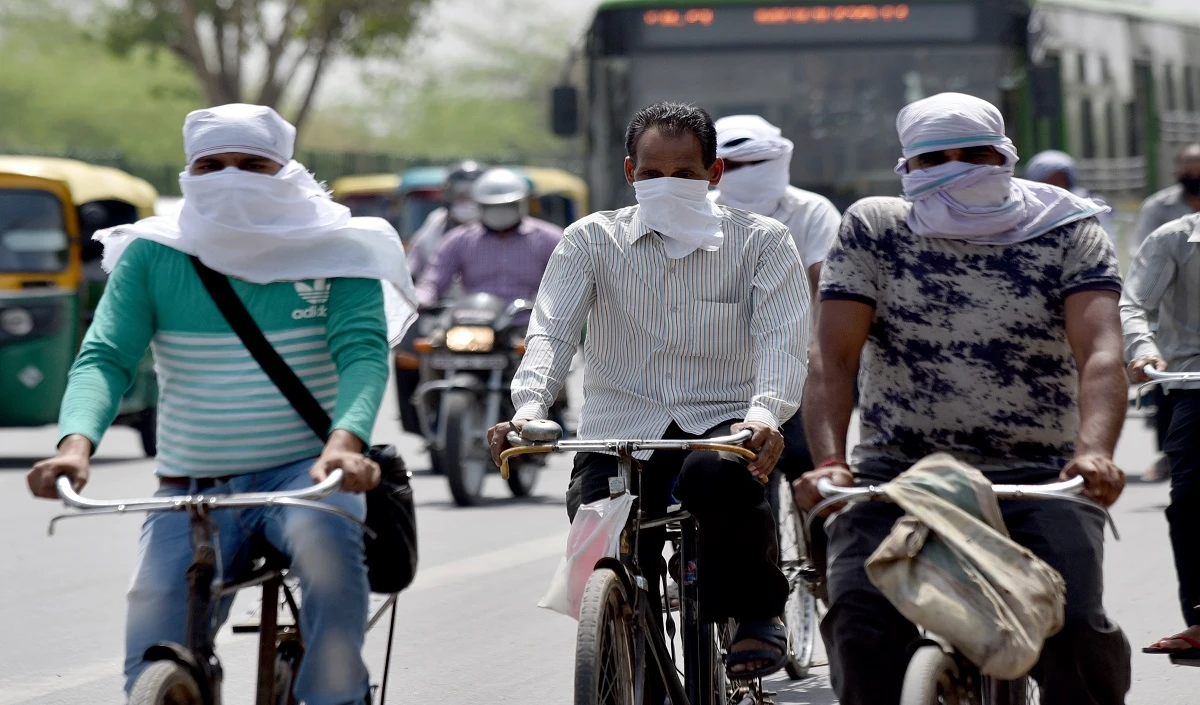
pixel 475 339
pixel 16 322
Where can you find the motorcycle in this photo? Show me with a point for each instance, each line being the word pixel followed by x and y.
pixel 467 364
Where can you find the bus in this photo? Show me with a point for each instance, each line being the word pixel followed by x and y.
pixel 1115 83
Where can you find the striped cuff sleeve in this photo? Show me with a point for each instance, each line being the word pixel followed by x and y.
pixel 761 414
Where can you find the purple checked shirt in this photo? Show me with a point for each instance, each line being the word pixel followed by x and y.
pixel 509 266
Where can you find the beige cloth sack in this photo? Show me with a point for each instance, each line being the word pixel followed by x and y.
pixel 950 567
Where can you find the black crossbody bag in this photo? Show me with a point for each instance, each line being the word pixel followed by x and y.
pixel 391 513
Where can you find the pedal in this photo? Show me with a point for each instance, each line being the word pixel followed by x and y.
pixel 252 621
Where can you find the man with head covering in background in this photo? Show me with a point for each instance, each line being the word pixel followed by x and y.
pixel 310 276
pixel 983 309
pixel 757 178
pixel 1059 169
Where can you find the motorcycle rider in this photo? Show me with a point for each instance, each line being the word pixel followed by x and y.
pixel 459 209
pixel 504 254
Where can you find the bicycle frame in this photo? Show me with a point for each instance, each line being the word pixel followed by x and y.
pixel 197 653
pixel 697 686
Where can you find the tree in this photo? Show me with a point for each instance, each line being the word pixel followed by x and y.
pixel 489 103
pixel 263 51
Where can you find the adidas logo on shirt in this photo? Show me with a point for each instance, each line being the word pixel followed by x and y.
pixel 316 295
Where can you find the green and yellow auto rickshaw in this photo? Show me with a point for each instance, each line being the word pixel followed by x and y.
pixel 557 196
pixel 370 195
pixel 50 282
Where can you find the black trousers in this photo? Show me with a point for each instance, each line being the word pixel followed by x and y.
pixel 1163 406
pixel 1182 447
pixel 739 575
pixel 869 642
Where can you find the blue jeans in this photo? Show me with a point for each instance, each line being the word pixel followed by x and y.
pixel 327 556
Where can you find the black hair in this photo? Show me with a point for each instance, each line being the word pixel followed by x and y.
pixel 673 120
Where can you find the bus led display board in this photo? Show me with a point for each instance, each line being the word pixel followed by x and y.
pixel 759 25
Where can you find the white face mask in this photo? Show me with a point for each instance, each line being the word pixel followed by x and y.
pixel 464 212
pixel 502 217
pixel 757 188
pixel 958 198
pixel 240 201
pixel 680 211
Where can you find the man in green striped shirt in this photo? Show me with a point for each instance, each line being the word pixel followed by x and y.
pixel 223 426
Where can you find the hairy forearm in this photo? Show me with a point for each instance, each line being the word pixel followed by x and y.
pixel 1102 403
pixel 828 405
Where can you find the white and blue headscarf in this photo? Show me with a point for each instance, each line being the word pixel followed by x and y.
pixel 976 203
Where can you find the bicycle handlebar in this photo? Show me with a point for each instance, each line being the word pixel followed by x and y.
pixel 1157 376
pixel 71 499
pixel 306 497
pixel 1069 490
pixel 721 444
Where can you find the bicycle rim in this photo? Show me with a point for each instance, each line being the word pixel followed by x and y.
pixel 604 668
pixel 800 612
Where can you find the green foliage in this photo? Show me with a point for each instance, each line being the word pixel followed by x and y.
pixel 284 45
pixel 492 102
pixel 60 90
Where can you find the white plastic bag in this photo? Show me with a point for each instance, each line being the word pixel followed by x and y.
pixel 595 534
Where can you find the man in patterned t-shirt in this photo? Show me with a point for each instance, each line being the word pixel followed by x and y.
pixel 983 309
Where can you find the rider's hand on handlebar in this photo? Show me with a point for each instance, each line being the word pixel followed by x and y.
pixel 1103 480
pixel 805 489
pixel 497 437
pixel 1137 371
pixel 766 442
pixel 72 461
pixel 343 452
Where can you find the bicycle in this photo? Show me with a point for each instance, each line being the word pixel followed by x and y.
pixel 800 614
pixel 936 672
pixel 619 618
pixel 190 673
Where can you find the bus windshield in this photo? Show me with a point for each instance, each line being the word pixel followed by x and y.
pixel 838 105
pixel 33 234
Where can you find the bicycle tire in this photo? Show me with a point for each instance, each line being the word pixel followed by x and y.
pixel 928 678
pixel 604 668
pixel 800 611
pixel 165 683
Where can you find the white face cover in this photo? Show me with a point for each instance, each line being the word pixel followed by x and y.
pixel 757 188
pixel 464 211
pixel 680 211
pixel 502 217
pixel 285 227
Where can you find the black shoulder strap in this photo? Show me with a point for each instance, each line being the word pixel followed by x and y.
pixel 264 353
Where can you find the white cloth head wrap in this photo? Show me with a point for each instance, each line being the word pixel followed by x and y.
pixel 976 203
pixel 758 187
pixel 264 229
pixel 238 127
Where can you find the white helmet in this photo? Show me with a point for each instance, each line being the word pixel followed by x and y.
pixel 498 187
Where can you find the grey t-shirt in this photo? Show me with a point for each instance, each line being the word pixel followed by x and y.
pixel 968 350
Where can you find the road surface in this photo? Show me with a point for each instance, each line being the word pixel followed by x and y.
pixel 468 630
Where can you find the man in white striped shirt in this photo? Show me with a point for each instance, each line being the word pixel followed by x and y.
pixel 697 318
pixel 1164 286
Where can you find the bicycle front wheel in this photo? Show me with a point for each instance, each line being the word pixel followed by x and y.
pixel 934 678
pixel 165 683
pixel 800 612
pixel 604 667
